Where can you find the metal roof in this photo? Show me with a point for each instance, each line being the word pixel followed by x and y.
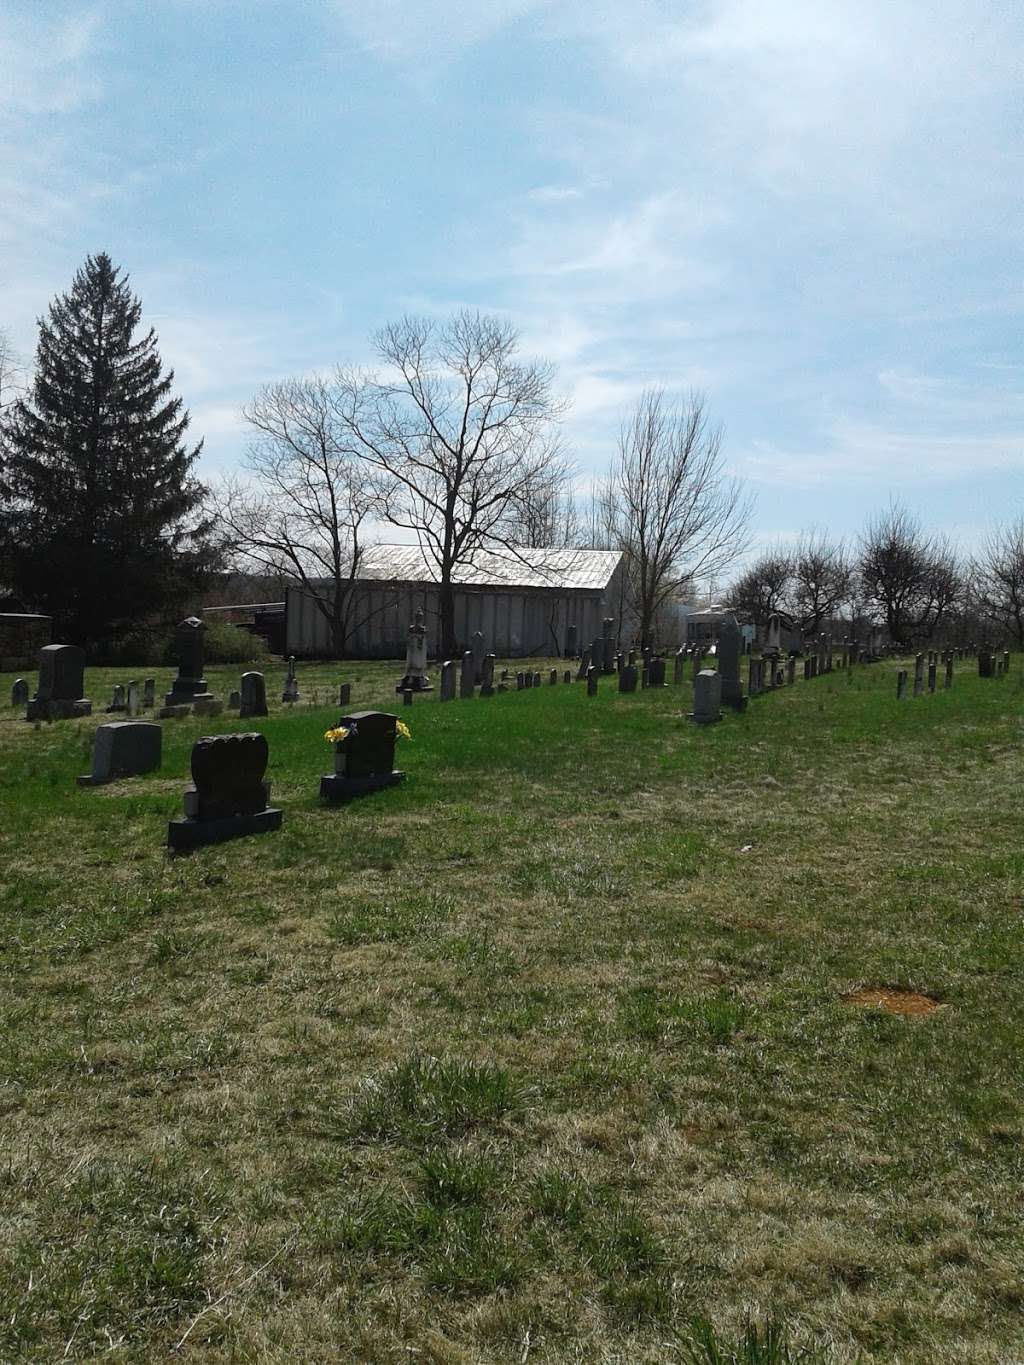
pixel 515 567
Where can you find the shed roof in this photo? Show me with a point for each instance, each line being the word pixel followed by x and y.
pixel 516 567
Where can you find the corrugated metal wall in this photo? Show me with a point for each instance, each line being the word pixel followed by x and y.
pixel 514 624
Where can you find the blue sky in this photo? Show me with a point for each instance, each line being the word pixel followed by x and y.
pixel 810 209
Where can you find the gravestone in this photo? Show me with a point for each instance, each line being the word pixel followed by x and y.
pixel 467 675
pixel 207 706
pixel 447 692
pixel 407 696
pixel 344 694
pixel 487 676
pixel 61 683
pixel 707 697
pixel 698 661
pixel 656 672
pixel 415 678
pixel 290 691
pixel 592 676
pixel 520 681
pixel 791 670
pixel 581 672
pixel 567 676
pixel 807 670
pixel 536 680
pixel 123 748
pixel 901 684
pixel 188 650
pixel 174 712
pixel 478 650
pixel 365 761
pixel 571 637
pixel 118 701
pixel 229 795
pixel 529 677
pixel 678 666
pixel 949 671
pixel 986 664
pixel 254 695
pixel 149 694
pixel 1006 661
pixel 730 642
pixel 597 652
pixel 918 675
pixel 931 675
pixel 628 678
pixel 608 645
pixel 553 677
pixel 753 677
pixel 134 699
pixel 19 692
pixel 234 700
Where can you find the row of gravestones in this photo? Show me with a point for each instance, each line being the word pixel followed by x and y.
pixel 229 795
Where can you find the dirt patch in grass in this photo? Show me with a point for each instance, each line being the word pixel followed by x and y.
pixel 892 1000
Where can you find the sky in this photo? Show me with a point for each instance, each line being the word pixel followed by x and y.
pixel 810 210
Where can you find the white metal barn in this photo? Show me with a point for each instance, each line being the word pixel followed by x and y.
pixel 523 600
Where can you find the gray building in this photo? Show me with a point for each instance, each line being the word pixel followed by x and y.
pixel 523 600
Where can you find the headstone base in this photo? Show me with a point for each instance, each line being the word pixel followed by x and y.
pixel 207 705
pixel 58 710
pixel 177 712
pixel 702 720
pixel 417 682
pixel 187 833
pixel 334 787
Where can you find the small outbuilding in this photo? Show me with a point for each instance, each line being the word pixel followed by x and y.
pixel 524 600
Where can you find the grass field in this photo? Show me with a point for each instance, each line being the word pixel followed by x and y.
pixel 539 1057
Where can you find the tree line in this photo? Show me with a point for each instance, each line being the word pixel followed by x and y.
pixel 453 437
pixel 896 575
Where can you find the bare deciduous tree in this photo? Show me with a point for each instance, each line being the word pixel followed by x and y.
pixel 669 504
pixel 544 514
pixel 302 513
pixel 763 588
pixel 459 433
pixel 997 579
pixel 821 580
pixel 911 580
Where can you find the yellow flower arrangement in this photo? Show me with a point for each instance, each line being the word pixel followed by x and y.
pixel 402 729
pixel 337 734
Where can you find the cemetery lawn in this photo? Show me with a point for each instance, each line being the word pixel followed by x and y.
pixel 536 1058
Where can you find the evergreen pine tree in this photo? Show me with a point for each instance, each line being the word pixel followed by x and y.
pixel 106 522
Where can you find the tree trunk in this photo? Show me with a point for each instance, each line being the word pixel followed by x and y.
pixel 446 611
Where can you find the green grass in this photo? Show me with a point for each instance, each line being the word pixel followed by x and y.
pixel 541 1056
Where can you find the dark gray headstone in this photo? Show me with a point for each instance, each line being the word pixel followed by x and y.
pixel 581 672
pixel 61 684
pixel 553 677
pixel 730 643
pixel 253 695
pixel 188 651
pixel 123 748
pixel 567 676
pixel 571 641
pixel 707 697
pixel 447 689
pixel 229 795
pixel 19 692
pixel 592 676
pixel 467 674
pixel 628 679
pixel 901 684
pixel 487 676
pixel 365 762
pixel 149 694
pixel 678 666
pixel 234 700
